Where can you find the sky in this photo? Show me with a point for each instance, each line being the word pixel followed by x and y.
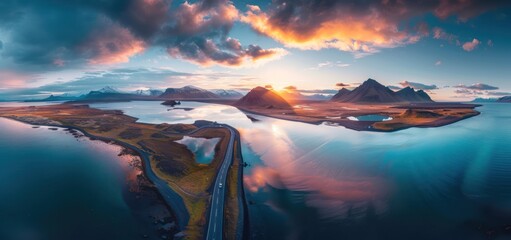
pixel 456 50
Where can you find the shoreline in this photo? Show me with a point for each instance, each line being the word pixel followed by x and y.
pixel 182 217
pixel 363 125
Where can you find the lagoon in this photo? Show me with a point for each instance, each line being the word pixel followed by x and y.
pixel 56 186
pixel 321 182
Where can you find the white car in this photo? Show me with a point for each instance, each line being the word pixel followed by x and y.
pixel 220 185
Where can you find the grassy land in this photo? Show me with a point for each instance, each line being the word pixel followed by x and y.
pixel 171 161
pixel 231 210
pixel 192 181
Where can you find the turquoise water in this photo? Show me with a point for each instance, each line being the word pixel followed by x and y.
pixel 54 186
pixel 203 149
pixel 324 182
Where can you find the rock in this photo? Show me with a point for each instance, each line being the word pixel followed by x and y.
pixel 179 235
pixel 168 226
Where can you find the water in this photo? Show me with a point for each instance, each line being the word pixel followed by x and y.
pixel 55 186
pixel 371 117
pixel 203 149
pixel 323 182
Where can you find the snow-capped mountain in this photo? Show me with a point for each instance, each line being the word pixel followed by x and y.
pixel 228 93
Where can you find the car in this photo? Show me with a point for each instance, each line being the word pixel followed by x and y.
pixel 220 185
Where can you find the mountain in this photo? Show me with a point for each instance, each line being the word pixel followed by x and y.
pixel 187 92
pixel 228 93
pixel 262 98
pixel 506 99
pixel 408 94
pixel 484 100
pixel 99 95
pixel 291 95
pixel 53 98
pixel 108 89
pixel 341 93
pixel 372 91
pixel 148 92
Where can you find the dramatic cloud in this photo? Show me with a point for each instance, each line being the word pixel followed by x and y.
pixel 477 86
pixel 113 44
pixel 73 33
pixel 418 85
pixel 470 46
pixel 198 33
pixel 361 27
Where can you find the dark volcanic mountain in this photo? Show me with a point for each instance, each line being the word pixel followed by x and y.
pixel 188 92
pixel 340 94
pixel 506 99
pixel 263 98
pixel 408 94
pixel 372 91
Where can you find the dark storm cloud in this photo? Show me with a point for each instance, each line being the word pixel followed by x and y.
pixel 199 32
pixel 58 33
pixel 477 86
pixel 361 27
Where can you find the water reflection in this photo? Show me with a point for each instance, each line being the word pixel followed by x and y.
pixel 203 149
pixel 322 182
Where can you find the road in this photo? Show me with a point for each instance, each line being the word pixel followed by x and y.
pixel 216 214
pixel 173 200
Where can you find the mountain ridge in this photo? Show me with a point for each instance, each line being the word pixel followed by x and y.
pixel 371 91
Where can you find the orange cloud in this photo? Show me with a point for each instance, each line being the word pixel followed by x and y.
pixel 112 44
pixel 470 46
pixel 359 34
pixel 360 27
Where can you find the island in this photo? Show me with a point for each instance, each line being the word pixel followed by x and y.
pixel 184 184
pixel 369 107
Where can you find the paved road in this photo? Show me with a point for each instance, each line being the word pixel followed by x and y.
pixel 216 214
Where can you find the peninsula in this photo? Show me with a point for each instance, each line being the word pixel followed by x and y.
pixel 399 110
pixel 184 184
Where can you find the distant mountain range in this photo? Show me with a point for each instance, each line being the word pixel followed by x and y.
pixel 372 91
pixel 111 94
pixel 296 95
pixel 53 98
pixel 149 92
pixel 228 93
pixel 506 99
pixel 188 92
pixel 261 97
pixel 484 100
